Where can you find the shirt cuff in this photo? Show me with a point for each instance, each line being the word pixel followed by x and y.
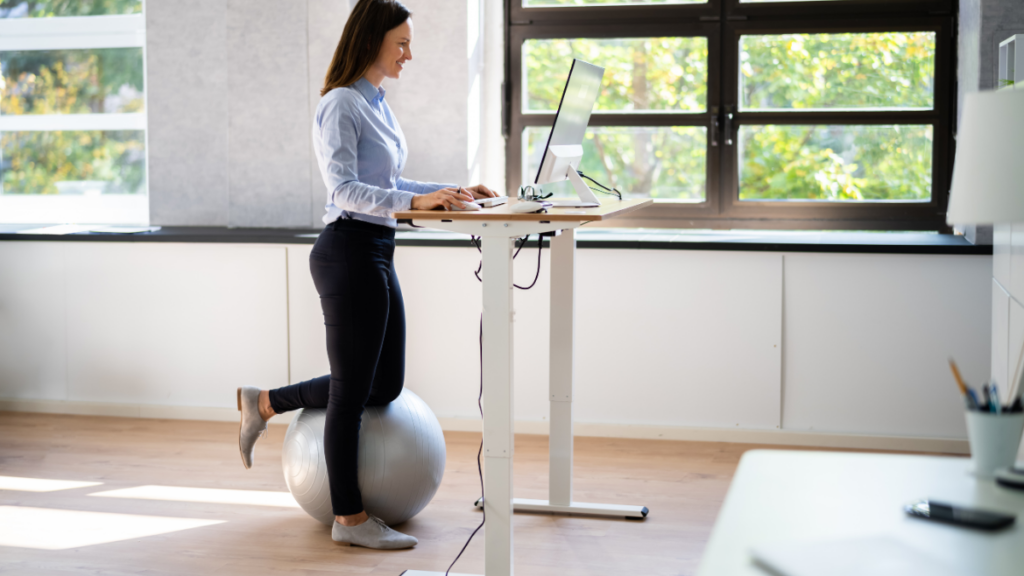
pixel 404 201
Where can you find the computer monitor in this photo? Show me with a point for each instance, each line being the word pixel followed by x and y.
pixel 564 149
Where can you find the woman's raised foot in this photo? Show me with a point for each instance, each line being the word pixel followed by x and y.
pixel 253 424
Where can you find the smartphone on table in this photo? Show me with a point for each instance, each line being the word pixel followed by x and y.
pixel 959 515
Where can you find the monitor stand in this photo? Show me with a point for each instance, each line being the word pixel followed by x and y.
pixel 587 197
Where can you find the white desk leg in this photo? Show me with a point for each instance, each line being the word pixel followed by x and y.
pixel 498 431
pixel 562 366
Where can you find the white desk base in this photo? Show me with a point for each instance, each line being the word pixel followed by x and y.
pixel 576 508
pixel 498 245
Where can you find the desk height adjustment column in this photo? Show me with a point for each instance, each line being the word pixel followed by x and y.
pixel 498 419
pixel 562 366
pixel 561 383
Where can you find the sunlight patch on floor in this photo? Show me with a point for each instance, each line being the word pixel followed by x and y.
pixel 54 529
pixel 210 495
pixel 40 484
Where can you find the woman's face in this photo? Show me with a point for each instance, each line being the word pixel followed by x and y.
pixel 395 51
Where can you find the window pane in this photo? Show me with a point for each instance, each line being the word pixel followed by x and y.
pixel 536 3
pixel 642 162
pixel 71 81
pixel 837 163
pixel 641 74
pixel 837 71
pixel 48 8
pixel 79 163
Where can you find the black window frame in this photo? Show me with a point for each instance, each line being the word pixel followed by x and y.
pixel 723 22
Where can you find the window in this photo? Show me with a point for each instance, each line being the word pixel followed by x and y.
pixel 72 112
pixel 818 114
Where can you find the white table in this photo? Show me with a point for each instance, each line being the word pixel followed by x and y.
pixel 796 496
pixel 498 228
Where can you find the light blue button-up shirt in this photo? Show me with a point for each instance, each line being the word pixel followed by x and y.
pixel 361 152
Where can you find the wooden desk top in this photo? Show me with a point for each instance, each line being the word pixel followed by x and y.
pixel 608 209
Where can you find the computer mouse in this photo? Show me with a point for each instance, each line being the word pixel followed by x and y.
pixel 470 206
pixel 527 206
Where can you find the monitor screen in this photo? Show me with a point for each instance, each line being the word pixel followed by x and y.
pixel 578 98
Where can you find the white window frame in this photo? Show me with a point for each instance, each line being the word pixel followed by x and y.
pixel 77 33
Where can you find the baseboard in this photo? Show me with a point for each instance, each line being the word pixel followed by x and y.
pixel 128 410
pixel 643 432
pixel 741 436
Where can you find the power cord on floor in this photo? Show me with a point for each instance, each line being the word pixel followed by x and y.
pixel 480 395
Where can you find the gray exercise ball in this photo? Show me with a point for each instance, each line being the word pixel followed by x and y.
pixel 401 460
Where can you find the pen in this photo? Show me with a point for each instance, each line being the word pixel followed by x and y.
pixel 988 398
pixel 956 375
pixel 996 406
pixel 972 400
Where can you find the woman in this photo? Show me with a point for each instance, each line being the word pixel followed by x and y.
pixel 361 153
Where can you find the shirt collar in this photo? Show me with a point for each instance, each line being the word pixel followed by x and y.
pixel 368 91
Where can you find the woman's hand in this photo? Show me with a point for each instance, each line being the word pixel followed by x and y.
pixel 444 198
pixel 480 191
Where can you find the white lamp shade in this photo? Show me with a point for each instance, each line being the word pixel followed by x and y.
pixel 988 175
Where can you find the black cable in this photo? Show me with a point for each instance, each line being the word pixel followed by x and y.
pixel 540 246
pixel 604 188
pixel 476 242
pixel 522 242
pixel 479 452
pixel 480 397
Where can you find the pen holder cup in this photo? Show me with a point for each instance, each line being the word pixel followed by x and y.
pixel 994 440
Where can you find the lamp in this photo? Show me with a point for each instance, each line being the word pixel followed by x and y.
pixel 988 175
pixel 988 184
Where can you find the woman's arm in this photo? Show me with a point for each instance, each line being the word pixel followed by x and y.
pixel 417 187
pixel 339 133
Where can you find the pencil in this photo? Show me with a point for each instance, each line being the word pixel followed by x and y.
pixel 959 380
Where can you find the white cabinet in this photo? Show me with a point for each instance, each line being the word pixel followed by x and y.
pixel 1001 369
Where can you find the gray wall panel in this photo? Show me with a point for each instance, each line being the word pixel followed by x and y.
pixel 326 22
pixel 187 97
pixel 269 148
pixel 233 86
pixel 1000 19
pixel 969 56
pixel 430 100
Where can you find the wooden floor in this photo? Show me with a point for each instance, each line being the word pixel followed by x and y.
pixel 683 484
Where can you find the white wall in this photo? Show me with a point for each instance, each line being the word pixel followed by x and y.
pixel 670 342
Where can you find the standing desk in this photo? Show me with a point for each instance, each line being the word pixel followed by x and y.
pixel 498 228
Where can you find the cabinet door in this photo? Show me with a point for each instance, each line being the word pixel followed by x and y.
pixel 1002 364
pixel 1015 358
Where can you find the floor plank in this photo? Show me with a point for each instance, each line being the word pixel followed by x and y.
pixel 683 484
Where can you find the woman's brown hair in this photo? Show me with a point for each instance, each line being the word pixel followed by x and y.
pixel 361 40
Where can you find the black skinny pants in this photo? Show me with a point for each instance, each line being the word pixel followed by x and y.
pixel 353 269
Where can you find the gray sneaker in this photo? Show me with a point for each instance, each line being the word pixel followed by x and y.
pixel 253 426
pixel 373 533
